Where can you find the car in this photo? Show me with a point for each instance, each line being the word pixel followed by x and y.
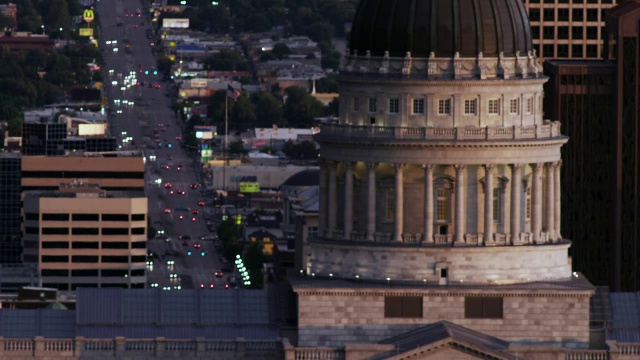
pixel 178 137
pixel 168 185
pixel 185 243
pixel 171 192
pixel 193 219
pixel 181 192
pixel 210 286
pixel 219 273
pixel 182 208
pixel 167 211
pixel 185 237
pixel 200 203
pixel 194 186
pixel 179 167
pixel 197 245
pixel 195 211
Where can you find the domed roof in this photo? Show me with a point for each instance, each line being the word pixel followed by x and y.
pixel 309 177
pixel 443 27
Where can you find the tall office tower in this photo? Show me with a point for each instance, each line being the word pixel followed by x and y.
pixel 84 236
pixel 440 192
pixel 580 94
pixel 10 209
pixel 570 29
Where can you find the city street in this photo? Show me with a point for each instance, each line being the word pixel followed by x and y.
pixel 140 116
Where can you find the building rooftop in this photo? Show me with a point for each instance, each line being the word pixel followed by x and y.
pixel 93 192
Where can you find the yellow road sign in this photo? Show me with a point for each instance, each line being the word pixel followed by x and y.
pixel 88 15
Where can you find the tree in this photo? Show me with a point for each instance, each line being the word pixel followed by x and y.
pixel 281 51
pixel 300 108
pixel 268 109
pixel 237 148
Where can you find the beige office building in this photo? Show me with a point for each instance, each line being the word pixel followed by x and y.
pixel 572 29
pixel 119 170
pixel 84 236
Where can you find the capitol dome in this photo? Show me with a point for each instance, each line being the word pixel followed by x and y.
pixel 444 28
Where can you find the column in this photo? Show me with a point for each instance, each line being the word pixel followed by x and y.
pixel 322 216
pixel 557 194
pixel 333 198
pixel 371 201
pixel 427 220
pixel 536 202
pixel 348 200
pixel 488 204
pixel 516 194
pixel 550 202
pixel 399 214
pixel 459 212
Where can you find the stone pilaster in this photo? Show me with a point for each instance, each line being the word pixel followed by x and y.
pixel 333 198
pixel 488 204
pixel 428 204
pixel 399 214
pixel 516 195
pixel 348 199
pixel 557 194
pixel 536 202
pixel 460 206
pixel 371 201
pixel 550 223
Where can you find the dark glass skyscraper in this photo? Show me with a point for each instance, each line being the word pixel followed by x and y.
pixel 10 209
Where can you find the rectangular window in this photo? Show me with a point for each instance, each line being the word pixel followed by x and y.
pixel 444 107
pixel 494 107
pixel 55 244
pixel 115 245
pixel 470 106
pixel 529 105
pixel 55 231
pixel 137 217
pixel 115 217
pixel 51 272
pixel 577 14
pixel 55 259
pixel 356 104
pixel 576 50
pixel 563 32
pixel 390 204
pixel 483 307
pixel 138 258
pixel 394 106
pixel 592 15
pixel 84 272
pixel 85 245
pixel 534 14
pixel 443 206
pixel 85 231
pixel 84 259
pixel 548 14
pixel 34 230
pixel 139 245
pixel 115 259
pixel 418 106
pixel 137 231
pixel 115 231
pixel 514 106
pixel 114 272
pixel 55 217
pixel 32 216
pixel 373 105
pixel 403 306
pixel 137 272
pixel 85 217
pixel 563 14
pixel 312 232
pixel 577 32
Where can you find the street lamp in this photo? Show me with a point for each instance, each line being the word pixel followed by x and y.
pixel 42 26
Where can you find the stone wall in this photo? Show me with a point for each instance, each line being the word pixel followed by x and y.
pixel 334 318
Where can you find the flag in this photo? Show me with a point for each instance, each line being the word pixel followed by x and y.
pixel 233 93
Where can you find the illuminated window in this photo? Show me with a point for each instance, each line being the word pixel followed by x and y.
pixel 356 104
pixel 390 204
pixel 443 205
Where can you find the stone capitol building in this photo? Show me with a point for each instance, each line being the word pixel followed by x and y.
pixel 439 224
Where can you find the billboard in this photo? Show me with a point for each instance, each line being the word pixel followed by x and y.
pixel 198 83
pixel 91 129
pixel 249 187
pixel 86 31
pixel 175 23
